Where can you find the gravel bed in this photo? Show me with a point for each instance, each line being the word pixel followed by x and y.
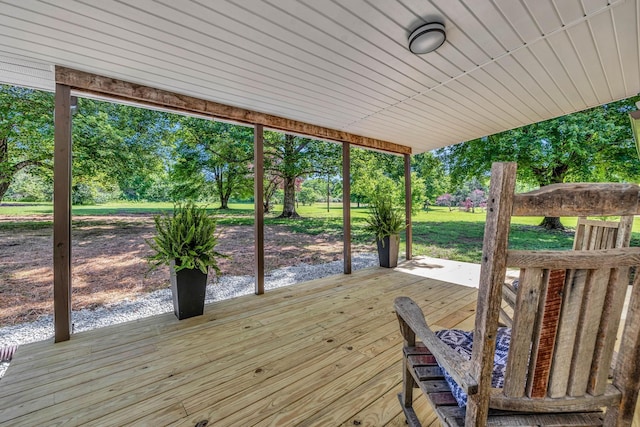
pixel 161 301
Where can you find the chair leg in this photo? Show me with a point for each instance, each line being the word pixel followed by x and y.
pixel 406 397
pixel 409 413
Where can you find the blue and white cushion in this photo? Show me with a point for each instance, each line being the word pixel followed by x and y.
pixel 462 343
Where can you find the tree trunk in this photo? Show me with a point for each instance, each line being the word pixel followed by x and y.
pixel 4 186
pixel 552 223
pixel 328 193
pixel 224 202
pixel 289 205
pixel 5 177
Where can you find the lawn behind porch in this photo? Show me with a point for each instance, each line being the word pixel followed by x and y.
pixel 109 247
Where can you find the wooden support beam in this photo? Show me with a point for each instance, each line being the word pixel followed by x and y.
pixel 258 196
pixel 492 270
pixel 121 90
pixel 407 205
pixel 346 205
pixel 62 214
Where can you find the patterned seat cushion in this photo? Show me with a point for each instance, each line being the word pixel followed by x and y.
pixel 462 343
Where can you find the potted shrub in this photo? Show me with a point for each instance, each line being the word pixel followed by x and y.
pixel 186 241
pixel 386 222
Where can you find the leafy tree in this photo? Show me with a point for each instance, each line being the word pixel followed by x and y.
pixel 307 195
pixel 214 152
pixel 272 183
pixel 26 133
pixel 430 169
pixel 591 145
pixel 116 145
pixel 30 188
pixel 445 200
pixel 418 193
pixel 292 157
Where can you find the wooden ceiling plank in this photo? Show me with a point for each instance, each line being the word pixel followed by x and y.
pixel 545 15
pixel 108 87
pixel 569 10
pixel 487 88
pixel 565 51
pixel 514 88
pixel 553 66
pixel 540 79
pixel 260 92
pixel 362 30
pixel 582 40
pixel 317 40
pixel 592 6
pixel 470 24
pixel 519 18
pixel 216 48
pixel 495 22
pixel 626 22
pixel 607 45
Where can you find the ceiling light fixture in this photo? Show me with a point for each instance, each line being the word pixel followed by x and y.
pixel 427 38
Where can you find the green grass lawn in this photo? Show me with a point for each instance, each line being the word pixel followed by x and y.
pixel 439 232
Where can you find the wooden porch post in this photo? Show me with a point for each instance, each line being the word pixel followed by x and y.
pixel 407 204
pixel 346 205
pixel 258 196
pixel 62 215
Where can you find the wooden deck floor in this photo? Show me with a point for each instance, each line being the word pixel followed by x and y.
pixel 323 353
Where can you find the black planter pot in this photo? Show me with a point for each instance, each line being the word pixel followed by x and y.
pixel 388 251
pixel 188 288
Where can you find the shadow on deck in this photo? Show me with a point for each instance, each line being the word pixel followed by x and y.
pixel 324 353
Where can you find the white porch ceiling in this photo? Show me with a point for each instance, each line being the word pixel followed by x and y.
pixel 344 64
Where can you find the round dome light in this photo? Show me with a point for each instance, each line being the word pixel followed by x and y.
pixel 427 38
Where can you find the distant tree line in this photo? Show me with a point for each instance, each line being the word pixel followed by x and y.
pixel 123 152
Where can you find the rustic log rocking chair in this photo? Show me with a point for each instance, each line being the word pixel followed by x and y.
pixel 591 234
pixel 559 350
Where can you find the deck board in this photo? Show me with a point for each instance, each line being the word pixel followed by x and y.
pixel 322 353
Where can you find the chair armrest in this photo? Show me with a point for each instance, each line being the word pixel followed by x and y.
pixel 457 366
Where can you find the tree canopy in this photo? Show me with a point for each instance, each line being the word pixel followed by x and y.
pixel 591 145
pixel 26 133
pixel 131 153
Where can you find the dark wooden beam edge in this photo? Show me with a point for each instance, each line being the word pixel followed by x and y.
pixel 107 87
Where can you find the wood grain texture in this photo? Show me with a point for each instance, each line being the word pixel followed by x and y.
pixel 566 334
pixel 454 363
pixel 62 214
pixel 606 335
pixel 524 322
pixel 303 348
pixel 626 375
pixel 550 405
pixel 613 306
pixel 623 257
pixel 587 333
pixel 545 335
pixel 579 199
pixel 492 273
pixel 121 90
